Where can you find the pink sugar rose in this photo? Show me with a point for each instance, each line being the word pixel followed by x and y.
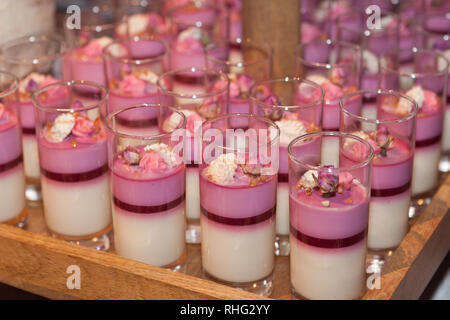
pixel 83 127
pixel 152 161
pixel 431 102
pixel 332 91
pixel 93 49
pixel 2 110
pixel 132 85
pixel 360 151
pixel 244 82
pixel 345 179
pixel 156 23
pixel 193 122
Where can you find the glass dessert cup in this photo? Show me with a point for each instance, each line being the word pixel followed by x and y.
pixel 426 83
pixel 390 130
pixel 132 67
pixel 148 187
pixel 73 159
pixel 205 97
pixel 251 63
pixel 12 178
pixel 329 212
pixel 84 61
pixel 335 66
pixel 437 38
pixel 33 60
pixel 193 26
pixel 238 181
pixel 295 105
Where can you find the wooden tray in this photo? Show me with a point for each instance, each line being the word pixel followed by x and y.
pixel 34 262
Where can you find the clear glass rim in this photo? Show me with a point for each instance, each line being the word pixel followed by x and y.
pixel 70 83
pixel 103 26
pixel 108 56
pixel 197 4
pixel 414 75
pixel 330 134
pixel 394 93
pixel 252 43
pixel 109 118
pixel 192 70
pixel 328 42
pixel 11 89
pixel 287 80
pixel 29 40
pixel 247 115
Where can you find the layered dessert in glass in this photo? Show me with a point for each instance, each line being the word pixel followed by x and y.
pixel 193 26
pixel 12 178
pixel 252 65
pixel 148 188
pixel 84 60
pixel 426 83
pixel 199 100
pixel 329 213
pixel 436 33
pixel 238 181
pixel 132 68
pixel 34 61
pixel 74 170
pixel 391 134
pixel 335 66
pixel 143 24
pixel 295 105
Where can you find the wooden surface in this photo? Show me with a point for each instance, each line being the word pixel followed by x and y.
pixel 32 261
pixel 259 20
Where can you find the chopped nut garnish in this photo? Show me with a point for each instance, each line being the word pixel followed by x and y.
pixel 326 203
pixel 349 200
pixel 73 143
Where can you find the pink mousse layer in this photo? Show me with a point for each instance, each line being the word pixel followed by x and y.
pixel 63 157
pixel 91 70
pixel 189 17
pixel 118 101
pixel 331 112
pixel 146 188
pixel 10 144
pixel 237 201
pixel 339 220
pixel 183 60
pixel 429 125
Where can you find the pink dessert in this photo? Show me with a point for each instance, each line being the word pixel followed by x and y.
pixel 391 185
pixel 28 85
pixel 428 137
pixel 334 87
pixel 329 219
pixel 74 168
pixel 238 220
pixel 12 182
pixel 148 186
pixel 187 50
pixel 87 61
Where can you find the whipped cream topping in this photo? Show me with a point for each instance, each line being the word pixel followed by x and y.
pixel 148 76
pixel 103 41
pixel 165 152
pixel 309 180
pixel 442 63
pixel 35 77
pixel 320 80
pixel 173 121
pixel 61 128
pixel 416 93
pixel 222 169
pixel 137 23
pixel 290 129
pixel 192 32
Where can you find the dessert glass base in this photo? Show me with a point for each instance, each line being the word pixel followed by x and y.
pixel 99 241
pixel 20 221
pixel 193 234
pixel 33 191
pixel 282 246
pixel 444 163
pixel 262 287
pixel 419 203
pixel 377 259
pixel 297 296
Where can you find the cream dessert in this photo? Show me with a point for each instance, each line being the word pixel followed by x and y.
pixel 391 186
pixel 75 180
pixel 191 156
pixel 12 180
pixel 143 24
pixel 328 228
pixel 238 220
pixel 334 88
pixel 148 189
pixel 28 85
pixel 428 138
pixel 86 61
